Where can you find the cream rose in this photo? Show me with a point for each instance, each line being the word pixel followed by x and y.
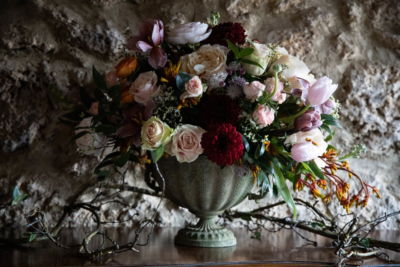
pixel 144 87
pixel 294 68
pixel 185 144
pixel 263 115
pixel 253 90
pixel 154 133
pixel 193 88
pixel 208 60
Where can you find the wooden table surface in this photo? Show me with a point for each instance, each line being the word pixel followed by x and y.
pixel 283 248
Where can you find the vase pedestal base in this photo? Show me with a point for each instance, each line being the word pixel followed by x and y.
pixel 206 233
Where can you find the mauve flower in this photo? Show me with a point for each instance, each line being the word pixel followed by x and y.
pixel 278 96
pixel 327 107
pixel 149 39
pixel 309 120
pixel 132 121
pixel 263 115
pixel 253 90
pixel 188 33
pixel 144 87
pixel 320 91
pixel 306 145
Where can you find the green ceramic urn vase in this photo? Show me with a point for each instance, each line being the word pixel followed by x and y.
pixel 206 190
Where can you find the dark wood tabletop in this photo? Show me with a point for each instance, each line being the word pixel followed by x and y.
pixel 282 248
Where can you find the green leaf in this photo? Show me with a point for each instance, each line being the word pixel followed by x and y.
pixel 32 237
pixel 85 98
pixel 17 196
pixel 122 159
pixel 246 52
pixel 315 169
pixel 281 185
pixel 157 154
pixel 234 49
pixel 329 119
pixel 101 175
pixel 251 62
pixel 181 79
pixel 99 79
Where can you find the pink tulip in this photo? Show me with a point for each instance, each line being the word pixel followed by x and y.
pixel 309 120
pixel 321 91
pixel 304 152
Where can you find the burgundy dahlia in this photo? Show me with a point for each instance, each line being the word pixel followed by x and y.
pixel 233 32
pixel 223 144
pixel 217 109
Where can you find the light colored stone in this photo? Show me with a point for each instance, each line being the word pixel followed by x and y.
pixel 48 48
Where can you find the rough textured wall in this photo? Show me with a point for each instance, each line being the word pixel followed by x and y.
pixel 47 49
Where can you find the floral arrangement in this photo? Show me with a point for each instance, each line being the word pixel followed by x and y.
pixel 207 89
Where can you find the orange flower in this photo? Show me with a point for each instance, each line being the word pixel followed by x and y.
pixel 126 97
pixel 126 67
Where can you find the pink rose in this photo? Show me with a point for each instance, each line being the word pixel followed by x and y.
pixel 321 91
pixel 193 87
pixel 185 144
pixel 253 90
pixel 144 87
pixel 263 115
pixel 278 96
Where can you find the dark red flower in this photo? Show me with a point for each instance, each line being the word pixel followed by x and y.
pixel 223 144
pixel 217 109
pixel 233 32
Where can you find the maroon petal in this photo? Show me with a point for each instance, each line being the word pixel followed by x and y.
pixel 128 130
pixel 158 58
pixel 131 44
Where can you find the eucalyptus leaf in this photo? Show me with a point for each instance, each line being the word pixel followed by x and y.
pixel 17 196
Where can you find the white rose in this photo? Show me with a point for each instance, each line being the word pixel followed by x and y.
pixel 185 144
pixel 260 55
pixel 154 133
pixel 189 33
pixel 295 68
pixel 144 87
pixel 193 87
pixel 206 61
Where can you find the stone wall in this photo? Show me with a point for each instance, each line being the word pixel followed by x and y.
pixel 47 49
